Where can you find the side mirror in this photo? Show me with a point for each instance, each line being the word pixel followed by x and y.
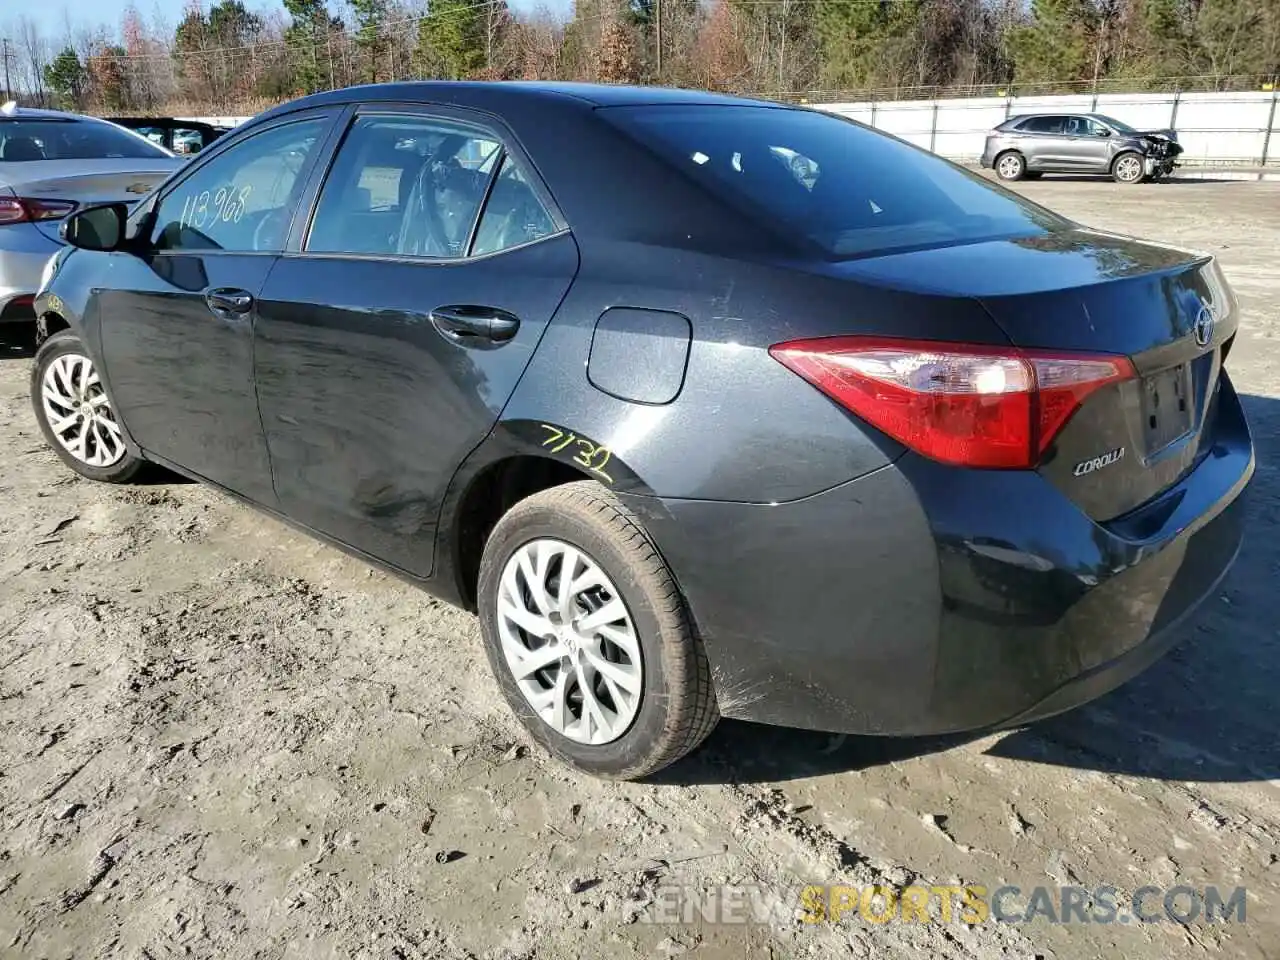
pixel 96 228
pixel 1104 132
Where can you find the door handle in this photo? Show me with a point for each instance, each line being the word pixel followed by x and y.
pixel 472 326
pixel 228 302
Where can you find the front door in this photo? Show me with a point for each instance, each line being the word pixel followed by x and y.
pixel 1085 150
pixel 390 340
pixel 177 319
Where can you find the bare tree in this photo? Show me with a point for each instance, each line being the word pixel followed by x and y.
pixel 540 46
pixel 34 55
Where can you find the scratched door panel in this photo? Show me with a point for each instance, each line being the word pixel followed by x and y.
pixel 368 409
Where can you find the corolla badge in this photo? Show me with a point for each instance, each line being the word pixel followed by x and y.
pixel 1203 328
pixel 1097 463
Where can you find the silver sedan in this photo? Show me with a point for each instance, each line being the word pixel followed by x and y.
pixel 52 163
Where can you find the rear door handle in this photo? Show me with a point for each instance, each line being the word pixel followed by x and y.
pixel 228 302
pixel 474 326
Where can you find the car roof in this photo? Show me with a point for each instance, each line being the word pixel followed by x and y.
pixel 38 113
pixel 507 94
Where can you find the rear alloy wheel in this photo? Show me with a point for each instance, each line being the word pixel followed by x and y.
pixel 569 642
pixel 588 637
pixel 1010 166
pixel 1127 168
pixel 75 413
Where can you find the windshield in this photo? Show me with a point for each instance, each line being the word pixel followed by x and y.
pixel 22 140
pixel 1115 125
pixel 850 190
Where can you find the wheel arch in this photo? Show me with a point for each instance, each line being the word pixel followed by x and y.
pixel 493 490
pixel 516 460
pixel 49 323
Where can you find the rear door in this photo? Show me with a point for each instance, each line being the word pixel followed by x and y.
pixel 177 320
pixel 393 332
pixel 1045 143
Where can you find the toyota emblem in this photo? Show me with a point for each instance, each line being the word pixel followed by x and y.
pixel 1203 328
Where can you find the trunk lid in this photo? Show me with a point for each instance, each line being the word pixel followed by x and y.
pixel 85 181
pixel 1168 310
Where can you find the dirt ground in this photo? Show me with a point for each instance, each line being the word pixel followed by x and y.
pixel 221 739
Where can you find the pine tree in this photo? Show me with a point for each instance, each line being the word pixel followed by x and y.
pixel 450 41
pixel 67 79
pixel 1058 45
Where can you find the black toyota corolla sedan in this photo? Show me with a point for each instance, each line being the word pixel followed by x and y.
pixel 705 406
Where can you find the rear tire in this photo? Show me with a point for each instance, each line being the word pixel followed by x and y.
pixel 648 643
pixel 1128 168
pixel 75 414
pixel 1011 166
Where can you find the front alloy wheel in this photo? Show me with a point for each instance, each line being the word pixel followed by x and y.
pixel 79 413
pixel 75 413
pixel 1128 168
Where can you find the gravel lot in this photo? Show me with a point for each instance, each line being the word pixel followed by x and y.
pixel 221 739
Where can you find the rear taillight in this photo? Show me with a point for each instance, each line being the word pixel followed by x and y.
pixel 24 209
pixel 977 406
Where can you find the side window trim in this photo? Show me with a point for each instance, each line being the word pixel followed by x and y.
pixel 309 199
pixel 212 153
pixel 559 227
pixel 498 161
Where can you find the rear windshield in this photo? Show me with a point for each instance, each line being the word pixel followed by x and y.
pixel 840 185
pixel 22 140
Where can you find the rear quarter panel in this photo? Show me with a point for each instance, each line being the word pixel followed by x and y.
pixel 743 427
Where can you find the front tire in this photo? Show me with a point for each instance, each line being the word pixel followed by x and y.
pixel 1128 168
pixel 75 414
pixel 604 668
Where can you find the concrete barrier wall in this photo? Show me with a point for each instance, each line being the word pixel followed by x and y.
pixel 1237 129
pixel 1214 128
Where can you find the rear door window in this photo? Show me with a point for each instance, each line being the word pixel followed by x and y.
pixel 837 184
pixel 1043 125
pixel 404 186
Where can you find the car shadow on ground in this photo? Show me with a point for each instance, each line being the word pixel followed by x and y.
pixel 1205 713
pixel 1174 181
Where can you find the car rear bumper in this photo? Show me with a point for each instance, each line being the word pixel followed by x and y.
pixel 922 599
pixel 24 251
